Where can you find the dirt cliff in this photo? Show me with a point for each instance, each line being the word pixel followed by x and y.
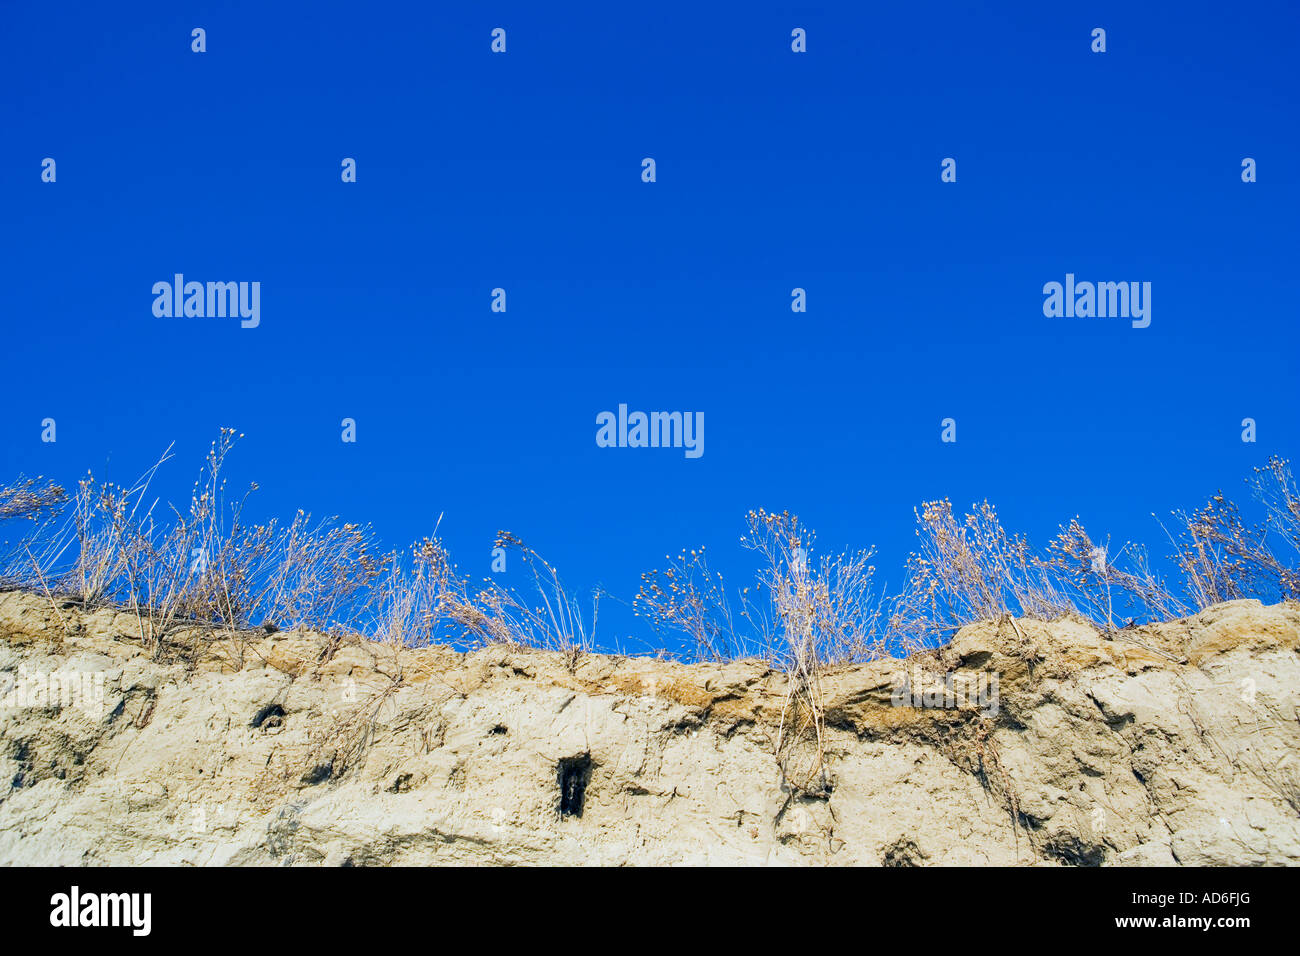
pixel 1174 743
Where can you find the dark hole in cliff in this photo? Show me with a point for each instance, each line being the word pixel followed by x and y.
pixel 1072 851
pixel 272 715
pixel 574 774
pixel 318 774
pixel 902 853
pixel 499 729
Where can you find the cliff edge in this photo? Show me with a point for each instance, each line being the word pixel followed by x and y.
pixel 1024 743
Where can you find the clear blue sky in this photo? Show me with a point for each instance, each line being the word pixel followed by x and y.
pixel 775 170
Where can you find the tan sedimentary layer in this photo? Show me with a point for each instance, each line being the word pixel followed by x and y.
pixel 1174 743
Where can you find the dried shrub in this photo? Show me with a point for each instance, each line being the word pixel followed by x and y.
pixel 208 566
pixel 969 570
pixel 689 597
pixel 30 499
pixel 1098 583
pixel 417 598
pixel 1274 487
pixel 32 504
pixel 550 620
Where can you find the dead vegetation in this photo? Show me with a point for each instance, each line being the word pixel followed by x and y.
pixel 208 565
pixel 30 498
pixel 206 572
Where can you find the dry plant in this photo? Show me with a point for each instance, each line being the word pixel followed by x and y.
pixel 831 600
pixel 1094 579
pixel 167 567
pixel 1274 487
pixel 204 566
pixel 310 572
pixel 835 603
pixel 30 499
pixel 826 613
pixel 552 620
pixel 794 596
pixel 1217 554
pixel 689 597
pixel 418 597
pixel 105 522
pixel 967 571
pixel 34 502
pixel 207 569
pixel 1222 558
pixel 816 614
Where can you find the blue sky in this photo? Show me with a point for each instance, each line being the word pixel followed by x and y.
pixel 775 170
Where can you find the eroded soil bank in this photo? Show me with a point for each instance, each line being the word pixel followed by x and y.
pixel 1176 743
